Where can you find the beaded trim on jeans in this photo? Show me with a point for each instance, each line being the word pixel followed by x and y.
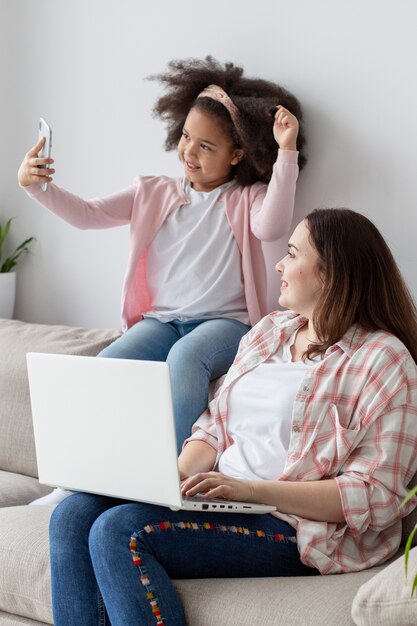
pixel 144 579
pixel 204 526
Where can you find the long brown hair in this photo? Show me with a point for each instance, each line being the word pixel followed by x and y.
pixel 361 281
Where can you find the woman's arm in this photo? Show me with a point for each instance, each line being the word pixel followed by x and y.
pixel 317 500
pixel 197 456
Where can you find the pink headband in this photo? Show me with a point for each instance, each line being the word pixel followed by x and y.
pixel 217 93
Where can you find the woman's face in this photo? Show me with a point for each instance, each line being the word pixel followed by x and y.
pixel 301 282
pixel 206 152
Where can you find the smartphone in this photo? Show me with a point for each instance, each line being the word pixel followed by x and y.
pixel 45 152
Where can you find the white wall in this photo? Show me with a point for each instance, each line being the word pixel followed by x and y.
pixel 81 65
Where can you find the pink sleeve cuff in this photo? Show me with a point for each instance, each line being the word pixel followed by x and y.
pixel 202 435
pixel 355 503
pixel 289 157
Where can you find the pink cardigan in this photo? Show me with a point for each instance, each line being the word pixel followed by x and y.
pixel 255 213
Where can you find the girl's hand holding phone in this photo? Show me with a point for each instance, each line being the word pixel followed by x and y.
pixel 32 169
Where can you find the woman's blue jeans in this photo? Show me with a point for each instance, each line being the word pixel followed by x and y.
pixel 196 352
pixel 112 561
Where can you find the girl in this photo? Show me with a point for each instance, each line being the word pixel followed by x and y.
pixel 317 416
pixel 195 280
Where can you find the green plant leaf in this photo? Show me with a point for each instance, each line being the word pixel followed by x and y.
pixel 7 266
pixel 10 262
pixel 3 234
pixel 20 249
pixel 408 548
pixel 409 495
pixel 413 588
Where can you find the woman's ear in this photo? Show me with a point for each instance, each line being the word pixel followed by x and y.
pixel 237 156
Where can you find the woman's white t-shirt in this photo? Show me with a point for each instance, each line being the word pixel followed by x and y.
pixel 259 416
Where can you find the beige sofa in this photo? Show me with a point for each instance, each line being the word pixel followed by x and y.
pixel 378 596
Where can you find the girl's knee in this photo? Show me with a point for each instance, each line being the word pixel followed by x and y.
pixel 117 349
pixel 179 350
pixel 184 359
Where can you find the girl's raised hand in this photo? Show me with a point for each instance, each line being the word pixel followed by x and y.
pixel 285 129
pixel 30 170
pixel 216 485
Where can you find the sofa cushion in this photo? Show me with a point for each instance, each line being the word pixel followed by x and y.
pixel 17 449
pixel 19 489
pixel 294 601
pixel 7 619
pixel 385 599
pixel 24 562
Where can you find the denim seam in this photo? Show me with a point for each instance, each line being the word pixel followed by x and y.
pixel 101 610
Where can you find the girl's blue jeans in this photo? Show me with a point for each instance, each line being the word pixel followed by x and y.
pixel 196 352
pixel 112 561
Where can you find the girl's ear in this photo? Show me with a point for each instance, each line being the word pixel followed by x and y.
pixel 237 156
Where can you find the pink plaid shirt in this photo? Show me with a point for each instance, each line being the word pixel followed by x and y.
pixel 355 420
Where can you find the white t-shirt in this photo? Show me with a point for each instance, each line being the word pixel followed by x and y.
pixel 259 416
pixel 194 264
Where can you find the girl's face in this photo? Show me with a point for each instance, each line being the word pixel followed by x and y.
pixel 301 281
pixel 206 152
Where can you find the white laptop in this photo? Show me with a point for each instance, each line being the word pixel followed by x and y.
pixel 106 426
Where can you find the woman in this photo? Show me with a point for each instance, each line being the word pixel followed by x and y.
pixel 317 416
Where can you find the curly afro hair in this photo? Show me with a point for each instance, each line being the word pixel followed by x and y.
pixel 255 98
